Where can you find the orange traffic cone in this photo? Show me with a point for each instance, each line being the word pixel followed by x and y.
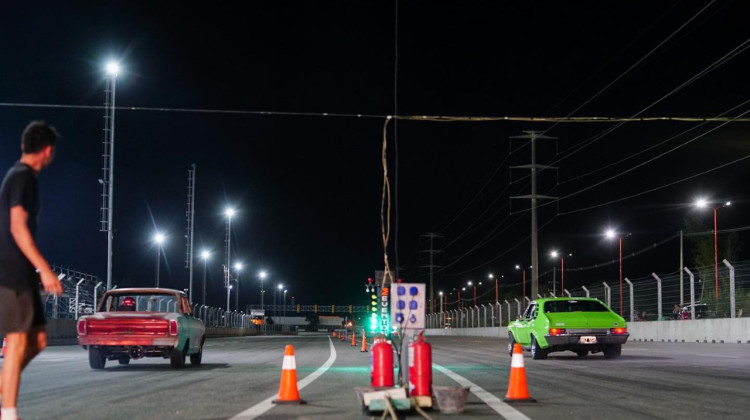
pixel 354 338
pixel 364 343
pixel 517 389
pixel 288 393
pixel 5 345
pixel 334 334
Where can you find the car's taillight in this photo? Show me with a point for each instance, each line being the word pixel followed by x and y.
pixel 173 327
pixel 557 331
pixel 82 327
pixel 619 330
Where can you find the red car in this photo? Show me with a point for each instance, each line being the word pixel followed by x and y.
pixel 135 323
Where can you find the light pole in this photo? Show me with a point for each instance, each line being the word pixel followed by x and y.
pixel 113 70
pixel 205 255
pixel 475 291
pixel 278 288
pixel 262 276
pixel 523 274
pixel 229 212
pixel 159 239
pixel 284 304
pixel 441 301
pixel 238 267
pixel 611 234
pixel 555 254
pixel 702 203
pixel 492 277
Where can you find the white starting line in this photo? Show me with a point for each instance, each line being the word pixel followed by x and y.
pixel 267 404
pixel 505 410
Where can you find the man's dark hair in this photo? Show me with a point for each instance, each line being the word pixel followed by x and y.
pixel 38 135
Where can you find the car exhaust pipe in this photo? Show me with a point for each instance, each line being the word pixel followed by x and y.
pixel 135 352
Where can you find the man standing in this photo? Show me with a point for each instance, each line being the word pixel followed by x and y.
pixel 22 266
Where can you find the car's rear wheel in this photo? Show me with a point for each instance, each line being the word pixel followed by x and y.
pixel 582 353
pixel 177 358
pixel 125 360
pixel 195 359
pixel 511 342
pixel 613 351
pixel 537 352
pixel 97 358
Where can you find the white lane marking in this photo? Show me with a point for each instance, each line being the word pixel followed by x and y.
pixel 267 404
pixel 505 410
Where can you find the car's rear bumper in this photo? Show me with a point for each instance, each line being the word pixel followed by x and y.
pixel 92 340
pixel 575 340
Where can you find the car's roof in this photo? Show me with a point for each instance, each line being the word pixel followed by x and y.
pixel 557 299
pixel 142 290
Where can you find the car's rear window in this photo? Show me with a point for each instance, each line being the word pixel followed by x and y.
pixel 574 306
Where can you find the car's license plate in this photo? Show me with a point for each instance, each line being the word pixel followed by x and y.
pixel 587 339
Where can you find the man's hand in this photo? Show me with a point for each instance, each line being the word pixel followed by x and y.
pixel 50 282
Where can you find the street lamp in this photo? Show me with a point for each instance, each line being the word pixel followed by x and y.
pixel 278 288
pixel 159 239
pixel 555 254
pixel 108 185
pixel 611 234
pixel 523 273
pixel 205 254
pixel 229 212
pixel 238 267
pixel 284 304
pixel 702 203
pixel 475 292
pixel 262 276
pixel 441 301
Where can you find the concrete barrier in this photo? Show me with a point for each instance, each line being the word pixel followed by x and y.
pixel 721 330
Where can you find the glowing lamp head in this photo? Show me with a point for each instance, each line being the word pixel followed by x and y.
pixel 113 68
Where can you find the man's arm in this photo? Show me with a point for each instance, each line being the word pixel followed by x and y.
pixel 21 234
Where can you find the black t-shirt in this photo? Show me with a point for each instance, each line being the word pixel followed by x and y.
pixel 20 188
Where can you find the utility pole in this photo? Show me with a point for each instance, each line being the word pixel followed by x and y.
pixel 190 223
pixel 431 266
pixel 533 136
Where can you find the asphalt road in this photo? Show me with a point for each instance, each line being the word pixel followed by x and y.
pixel 240 376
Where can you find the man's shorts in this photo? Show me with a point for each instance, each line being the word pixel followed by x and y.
pixel 20 310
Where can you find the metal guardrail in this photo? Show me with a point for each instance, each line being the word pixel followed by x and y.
pixel 644 299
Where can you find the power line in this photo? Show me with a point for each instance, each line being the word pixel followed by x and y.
pixel 426 118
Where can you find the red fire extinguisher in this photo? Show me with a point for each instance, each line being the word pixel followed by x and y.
pixel 420 367
pixel 381 364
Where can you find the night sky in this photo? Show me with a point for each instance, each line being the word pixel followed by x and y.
pixel 281 107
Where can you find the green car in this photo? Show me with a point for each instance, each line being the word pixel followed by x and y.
pixel 578 324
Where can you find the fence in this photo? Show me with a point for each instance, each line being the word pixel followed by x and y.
pixel 651 298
